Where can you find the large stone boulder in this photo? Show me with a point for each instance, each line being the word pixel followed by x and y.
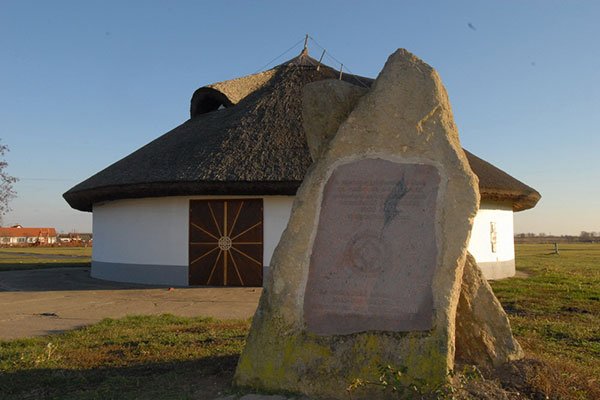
pixel 369 269
pixel 325 105
pixel 483 333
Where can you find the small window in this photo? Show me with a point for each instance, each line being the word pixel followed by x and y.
pixel 493 237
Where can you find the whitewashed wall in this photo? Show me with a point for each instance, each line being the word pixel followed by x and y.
pixel 501 263
pixel 141 231
pixel 28 239
pixel 277 213
pixel 146 240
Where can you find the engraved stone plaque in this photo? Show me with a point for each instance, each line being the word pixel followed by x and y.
pixel 375 250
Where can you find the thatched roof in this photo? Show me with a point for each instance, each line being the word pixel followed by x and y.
pixel 498 186
pixel 245 137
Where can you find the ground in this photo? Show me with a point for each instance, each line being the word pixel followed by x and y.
pixel 554 307
pixel 19 258
pixel 43 301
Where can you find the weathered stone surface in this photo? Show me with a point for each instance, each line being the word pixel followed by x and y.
pixel 325 105
pixel 483 334
pixel 405 120
pixel 370 233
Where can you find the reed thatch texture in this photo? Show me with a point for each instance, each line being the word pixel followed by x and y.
pixel 245 137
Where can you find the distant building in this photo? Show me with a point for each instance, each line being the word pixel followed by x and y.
pixel 17 235
pixel 206 203
pixel 74 237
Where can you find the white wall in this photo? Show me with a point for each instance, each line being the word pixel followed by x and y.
pixel 154 231
pixel 277 214
pixel 28 239
pixel 498 264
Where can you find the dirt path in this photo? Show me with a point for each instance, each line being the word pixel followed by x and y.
pixel 39 302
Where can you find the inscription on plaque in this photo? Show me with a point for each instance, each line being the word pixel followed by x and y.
pixel 375 250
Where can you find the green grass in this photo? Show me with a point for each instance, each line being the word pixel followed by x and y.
pixel 19 258
pixel 139 357
pixel 555 311
pixel 555 314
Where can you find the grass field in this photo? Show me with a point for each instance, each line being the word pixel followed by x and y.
pixel 12 258
pixel 555 313
pixel 140 357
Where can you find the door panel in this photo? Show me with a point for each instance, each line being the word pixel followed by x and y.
pixel 226 242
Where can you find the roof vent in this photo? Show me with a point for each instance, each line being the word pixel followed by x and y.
pixel 206 100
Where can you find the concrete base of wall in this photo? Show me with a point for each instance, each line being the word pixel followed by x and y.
pixel 177 275
pixel 168 275
pixel 497 269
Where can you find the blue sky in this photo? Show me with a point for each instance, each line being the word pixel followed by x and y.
pixel 83 84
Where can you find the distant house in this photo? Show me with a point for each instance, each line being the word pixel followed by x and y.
pixel 74 237
pixel 17 235
pixel 206 203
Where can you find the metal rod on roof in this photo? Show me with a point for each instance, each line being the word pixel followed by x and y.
pixel 320 59
pixel 341 69
pixel 306 42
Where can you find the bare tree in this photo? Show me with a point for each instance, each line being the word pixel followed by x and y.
pixel 7 192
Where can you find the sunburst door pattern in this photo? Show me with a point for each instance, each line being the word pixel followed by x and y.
pixel 226 242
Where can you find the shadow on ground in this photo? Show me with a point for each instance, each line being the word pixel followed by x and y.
pixel 61 279
pixel 205 378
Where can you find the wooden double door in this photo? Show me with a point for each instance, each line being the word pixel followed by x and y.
pixel 226 242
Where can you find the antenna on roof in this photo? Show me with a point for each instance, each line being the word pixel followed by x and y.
pixel 305 49
pixel 320 59
pixel 341 69
pixel 281 55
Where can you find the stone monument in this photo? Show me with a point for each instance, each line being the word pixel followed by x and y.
pixel 483 334
pixel 369 269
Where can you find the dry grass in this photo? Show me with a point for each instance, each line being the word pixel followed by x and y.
pixel 555 314
pixel 141 357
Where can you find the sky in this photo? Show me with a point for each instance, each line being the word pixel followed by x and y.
pixel 83 84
